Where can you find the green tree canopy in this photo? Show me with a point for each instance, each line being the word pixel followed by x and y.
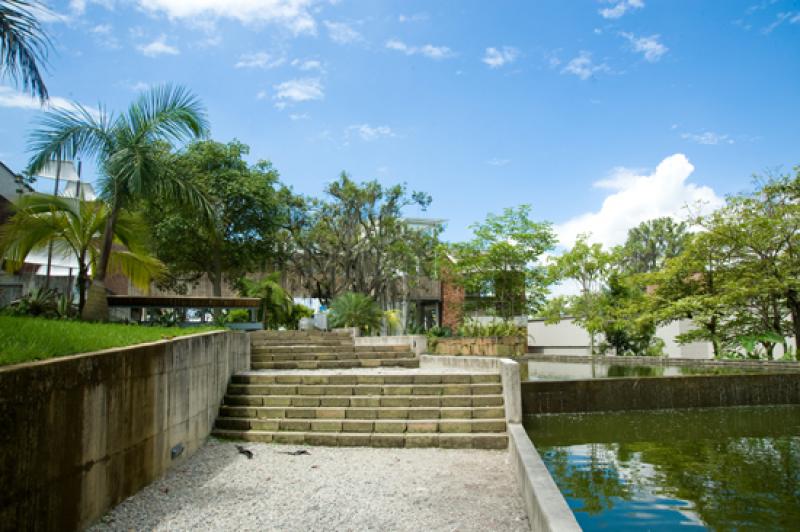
pixel 240 236
pixel 358 240
pixel 501 264
pixel 651 243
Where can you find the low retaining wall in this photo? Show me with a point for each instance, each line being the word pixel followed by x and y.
pixel 777 365
pixel 545 505
pixel 629 393
pixel 418 343
pixel 502 346
pixel 81 433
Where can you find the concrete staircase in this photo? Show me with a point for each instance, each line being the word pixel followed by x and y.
pixel 315 350
pixel 378 407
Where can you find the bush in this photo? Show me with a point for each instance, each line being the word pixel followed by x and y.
pixel 238 315
pixel 40 302
pixel 356 310
pixel 476 329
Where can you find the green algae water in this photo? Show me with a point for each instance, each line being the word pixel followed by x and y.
pixel 732 468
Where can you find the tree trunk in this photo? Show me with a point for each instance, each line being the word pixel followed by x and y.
pixel 793 301
pixel 96 306
pixel 82 278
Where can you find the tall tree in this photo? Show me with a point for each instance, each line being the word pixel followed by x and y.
pixel 127 150
pixel 245 201
pixel 590 266
pixel 76 227
pixel 357 240
pixel 501 262
pixel 652 242
pixel 23 45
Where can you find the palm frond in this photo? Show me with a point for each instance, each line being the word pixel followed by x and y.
pixel 69 132
pixel 140 268
pixel 168 112
pixel 23 46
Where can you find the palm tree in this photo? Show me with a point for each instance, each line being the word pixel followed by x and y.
pixel 76 227
pixel 129 150
pixel 23 45
pixel 276 304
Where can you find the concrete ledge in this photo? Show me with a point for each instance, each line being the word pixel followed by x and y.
pixel 508 370
pixel 83 432
pixel 546 508
pixel 418 343
pixel 647 393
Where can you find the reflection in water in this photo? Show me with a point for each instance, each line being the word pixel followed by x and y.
pixel 726 468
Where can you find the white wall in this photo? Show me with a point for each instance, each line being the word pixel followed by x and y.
pixel 566 338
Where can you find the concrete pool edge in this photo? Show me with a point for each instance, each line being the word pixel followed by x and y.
pixel 545 505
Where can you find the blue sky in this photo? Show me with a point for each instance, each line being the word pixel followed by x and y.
pixel 599 113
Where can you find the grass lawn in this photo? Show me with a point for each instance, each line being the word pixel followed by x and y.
pixel 24 339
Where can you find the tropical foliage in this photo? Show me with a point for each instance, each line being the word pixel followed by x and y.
pixel 23 45
pixel 129 151
pixel 352 309
pixel 75 228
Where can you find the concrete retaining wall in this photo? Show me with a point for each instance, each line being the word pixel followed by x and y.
pixel 628 393
pixel 545 505
pixel 79 434
pixel 489 346
pixel 418 343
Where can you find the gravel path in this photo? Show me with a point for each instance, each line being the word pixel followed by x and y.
pixel 330 489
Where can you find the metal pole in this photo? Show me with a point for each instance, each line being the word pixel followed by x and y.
pixel 50 245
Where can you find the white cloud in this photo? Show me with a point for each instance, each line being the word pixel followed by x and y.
pixel 416 17
pixel 428 50
pixel 294 15
pixel 496 58
pixel 369 133
pixel 140 86
pixel 259 60
pixel 14 99
pixel 307 64
pixel 297 90
pixel 583 66
pixel 708 138
pixel 342 33
pixel 158 47
pixel 104 34
pixel 498 162
pixel 620 7
pixel 793 17
pixel 638 197
pixel 650 47
pixel 299 116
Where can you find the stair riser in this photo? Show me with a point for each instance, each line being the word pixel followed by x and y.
pixel 386 401
pixel 409 440
pixel 361 413
pixel 364 389
pixel 366 379
pixel 364 425
pixel 338 364
pixel 290 357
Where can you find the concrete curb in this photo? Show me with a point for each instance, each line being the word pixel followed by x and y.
pixel 544 504
pixel 508 370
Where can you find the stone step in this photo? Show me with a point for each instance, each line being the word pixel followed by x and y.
pixel 350 439
pixel 408 362
pixel 283 357
pixel 315 348
pixel 257 344
pixel 449 426
pixel 360 401
pixel 341 413
pixel 367 378
pixel 365 389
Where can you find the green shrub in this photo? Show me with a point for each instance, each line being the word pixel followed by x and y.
pixel 356 310
pixel 238 315
pixel 39 302
pixel 476 329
